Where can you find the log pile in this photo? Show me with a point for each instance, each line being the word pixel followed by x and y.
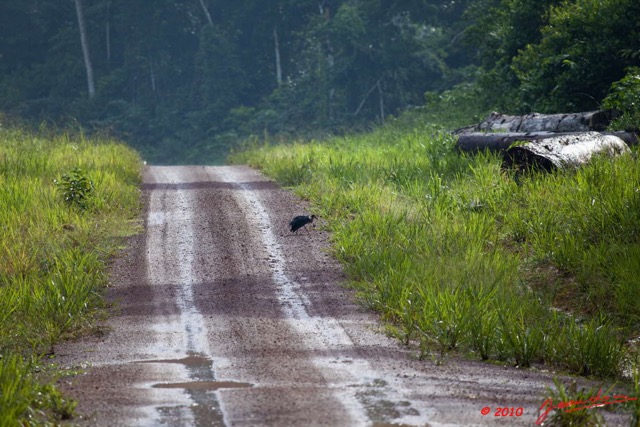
pixel 546 141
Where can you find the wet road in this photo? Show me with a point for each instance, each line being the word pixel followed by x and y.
pixel 223 318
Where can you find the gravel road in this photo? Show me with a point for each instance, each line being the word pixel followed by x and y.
pixel 222 317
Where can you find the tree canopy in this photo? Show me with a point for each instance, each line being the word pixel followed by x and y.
pixel 184 80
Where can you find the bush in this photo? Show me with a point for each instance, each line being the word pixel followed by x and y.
pixel 75 188
pixel 625 97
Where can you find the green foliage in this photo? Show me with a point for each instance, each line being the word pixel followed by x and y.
pixel 592 348
pixel 75 188
pixel 219 78
pixel 578 57
pixel 53 259
pixel 458 255
pixel 551 56
pixel 499 30
pixel 454 108
pixel 624 96
pixel 523 339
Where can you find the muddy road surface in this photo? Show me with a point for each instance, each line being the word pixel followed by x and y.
pixel 222 317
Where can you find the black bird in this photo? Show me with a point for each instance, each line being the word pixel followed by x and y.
pixel 301 221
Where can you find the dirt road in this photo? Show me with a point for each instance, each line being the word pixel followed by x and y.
pixel 222 317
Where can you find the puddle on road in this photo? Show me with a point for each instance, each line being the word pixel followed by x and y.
pixel 395 425
pixel 204 385
pixel 196 365
pixel 205 410
pixel 191 361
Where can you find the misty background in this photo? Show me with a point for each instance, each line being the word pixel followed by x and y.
pixel 184 81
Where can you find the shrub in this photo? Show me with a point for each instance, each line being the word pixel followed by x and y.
pixel 75 188
pixel 625 97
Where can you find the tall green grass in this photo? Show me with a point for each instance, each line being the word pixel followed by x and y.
pixel 459 255
pixel 53 254
pixel 29 396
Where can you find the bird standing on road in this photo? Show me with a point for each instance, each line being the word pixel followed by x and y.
pixel 300 221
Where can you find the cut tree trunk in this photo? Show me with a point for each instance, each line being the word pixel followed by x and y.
pixel 562 151
pixel 499 142
pixel 534 122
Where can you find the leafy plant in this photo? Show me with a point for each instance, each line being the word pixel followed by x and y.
pixel 76 188
pixel 524 340
pixel 624 96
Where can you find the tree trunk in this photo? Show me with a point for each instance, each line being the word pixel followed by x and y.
pixel 375 86
pixel 85 49
pixel 206 12
pixel 499 142
pixel 108 34
pixel 152 75
pixel 574 122
pixel 564 151
pixel 381 101
pixel 277 49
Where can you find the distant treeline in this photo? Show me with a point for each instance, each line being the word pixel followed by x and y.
pixel 184 80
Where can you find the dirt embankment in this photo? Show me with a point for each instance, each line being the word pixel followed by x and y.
pixel 223 317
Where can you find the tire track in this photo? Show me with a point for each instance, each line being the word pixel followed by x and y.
pixel 170 226
pixel 171 230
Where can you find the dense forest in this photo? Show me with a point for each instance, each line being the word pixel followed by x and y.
pixel 185 80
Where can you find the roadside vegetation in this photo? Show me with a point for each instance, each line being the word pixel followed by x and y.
pixel 459 255
pixel 66 203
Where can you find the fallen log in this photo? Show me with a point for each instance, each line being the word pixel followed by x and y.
pixel 562 151
pixel 499 142
pixel 535 122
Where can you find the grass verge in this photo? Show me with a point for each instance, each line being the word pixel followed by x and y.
pixel 53 254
